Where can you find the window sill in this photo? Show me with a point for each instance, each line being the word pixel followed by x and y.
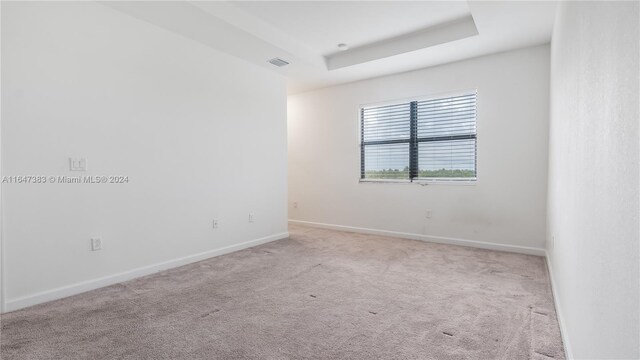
pixel 420 182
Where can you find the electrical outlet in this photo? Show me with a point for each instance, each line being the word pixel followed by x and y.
pixel 96 244
pixel 295 204
pixel 428 214
pixel 252 217
pixel 215 223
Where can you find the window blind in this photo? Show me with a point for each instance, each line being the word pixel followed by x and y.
pixel 430 139
pixel 385 140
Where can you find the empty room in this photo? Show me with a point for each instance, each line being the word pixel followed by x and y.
pixel 432 180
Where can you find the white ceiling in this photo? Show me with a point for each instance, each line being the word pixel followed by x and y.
pixel 323 25
pixel 384 37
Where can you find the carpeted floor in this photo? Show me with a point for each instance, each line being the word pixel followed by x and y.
pixel 320 294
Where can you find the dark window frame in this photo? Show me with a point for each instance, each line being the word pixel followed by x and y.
pixel 413 142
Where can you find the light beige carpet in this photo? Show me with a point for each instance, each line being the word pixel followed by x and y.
pixel 321 294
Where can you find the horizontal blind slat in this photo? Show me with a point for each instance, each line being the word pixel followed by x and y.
pixel 438 118
pixel 444 134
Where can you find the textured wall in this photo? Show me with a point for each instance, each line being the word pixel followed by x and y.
pixel 507 204
pixel 200 134
pixel 593 177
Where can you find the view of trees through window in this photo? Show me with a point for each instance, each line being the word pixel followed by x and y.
pixel 402 173
pixel 431 139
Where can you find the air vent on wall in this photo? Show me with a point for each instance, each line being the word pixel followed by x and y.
pixel 278 62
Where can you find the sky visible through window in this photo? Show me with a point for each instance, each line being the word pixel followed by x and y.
pixel 446 120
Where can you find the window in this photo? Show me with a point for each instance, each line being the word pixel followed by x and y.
pixel 420 140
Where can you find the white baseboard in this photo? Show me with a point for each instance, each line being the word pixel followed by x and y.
pixel 429 238
pixel 464 242
pixel 77 288
pixel 563 330
pixel 74 289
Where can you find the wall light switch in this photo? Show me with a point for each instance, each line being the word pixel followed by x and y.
pixel 252 217
pixel 78 164
pixel 215 223
pixel 428 214
pixel 96 244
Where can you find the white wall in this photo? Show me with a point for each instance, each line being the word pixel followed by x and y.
pixel 593 213
pixel 507 204
pixel 1 221
pixel 200 134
